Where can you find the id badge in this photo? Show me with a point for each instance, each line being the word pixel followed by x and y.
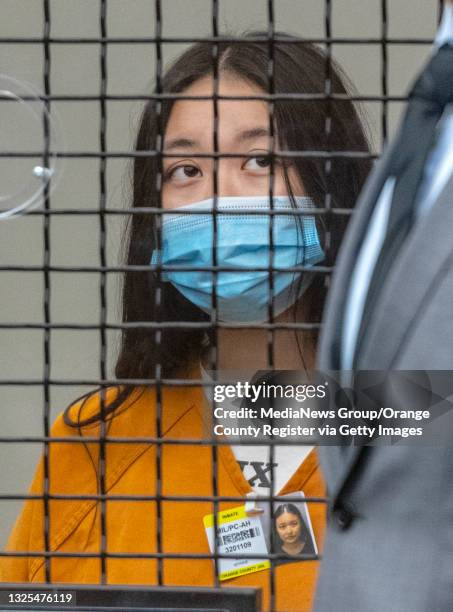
pixel 237 533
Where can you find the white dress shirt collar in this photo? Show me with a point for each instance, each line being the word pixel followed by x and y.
pixel 445 32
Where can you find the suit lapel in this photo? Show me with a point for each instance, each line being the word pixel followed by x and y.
pixel 330 340
pixel 422 259
pixel 408 284
pixel 342 459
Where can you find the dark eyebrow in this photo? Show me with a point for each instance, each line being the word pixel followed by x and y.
pixel 180 143
pixel 251 134
pixel 244 136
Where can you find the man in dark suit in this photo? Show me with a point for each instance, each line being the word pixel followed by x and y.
pixel 389 544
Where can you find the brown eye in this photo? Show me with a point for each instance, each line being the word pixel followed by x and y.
pixel 258 163
pixel 183 172
pixel 190 171
pixel 263 162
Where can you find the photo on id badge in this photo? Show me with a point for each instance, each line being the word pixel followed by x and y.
pixel 292 531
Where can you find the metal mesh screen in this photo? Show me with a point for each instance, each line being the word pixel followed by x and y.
pixel 99 274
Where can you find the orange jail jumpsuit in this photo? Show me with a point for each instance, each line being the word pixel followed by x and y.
pixel 130 469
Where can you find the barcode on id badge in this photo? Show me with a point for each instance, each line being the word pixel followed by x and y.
pixel 238 536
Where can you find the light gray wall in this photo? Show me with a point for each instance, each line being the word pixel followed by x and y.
pixel 74 240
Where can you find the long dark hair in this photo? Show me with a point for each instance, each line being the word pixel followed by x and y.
pixel 299 68
pixel 290 509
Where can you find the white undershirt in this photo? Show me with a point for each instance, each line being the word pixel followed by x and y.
pixel 286 461
pixel 254 460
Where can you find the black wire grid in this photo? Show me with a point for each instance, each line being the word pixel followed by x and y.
pixel 103 269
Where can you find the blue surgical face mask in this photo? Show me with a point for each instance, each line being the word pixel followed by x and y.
pixel 242 241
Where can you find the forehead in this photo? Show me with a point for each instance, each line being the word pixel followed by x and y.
pixel 194 119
